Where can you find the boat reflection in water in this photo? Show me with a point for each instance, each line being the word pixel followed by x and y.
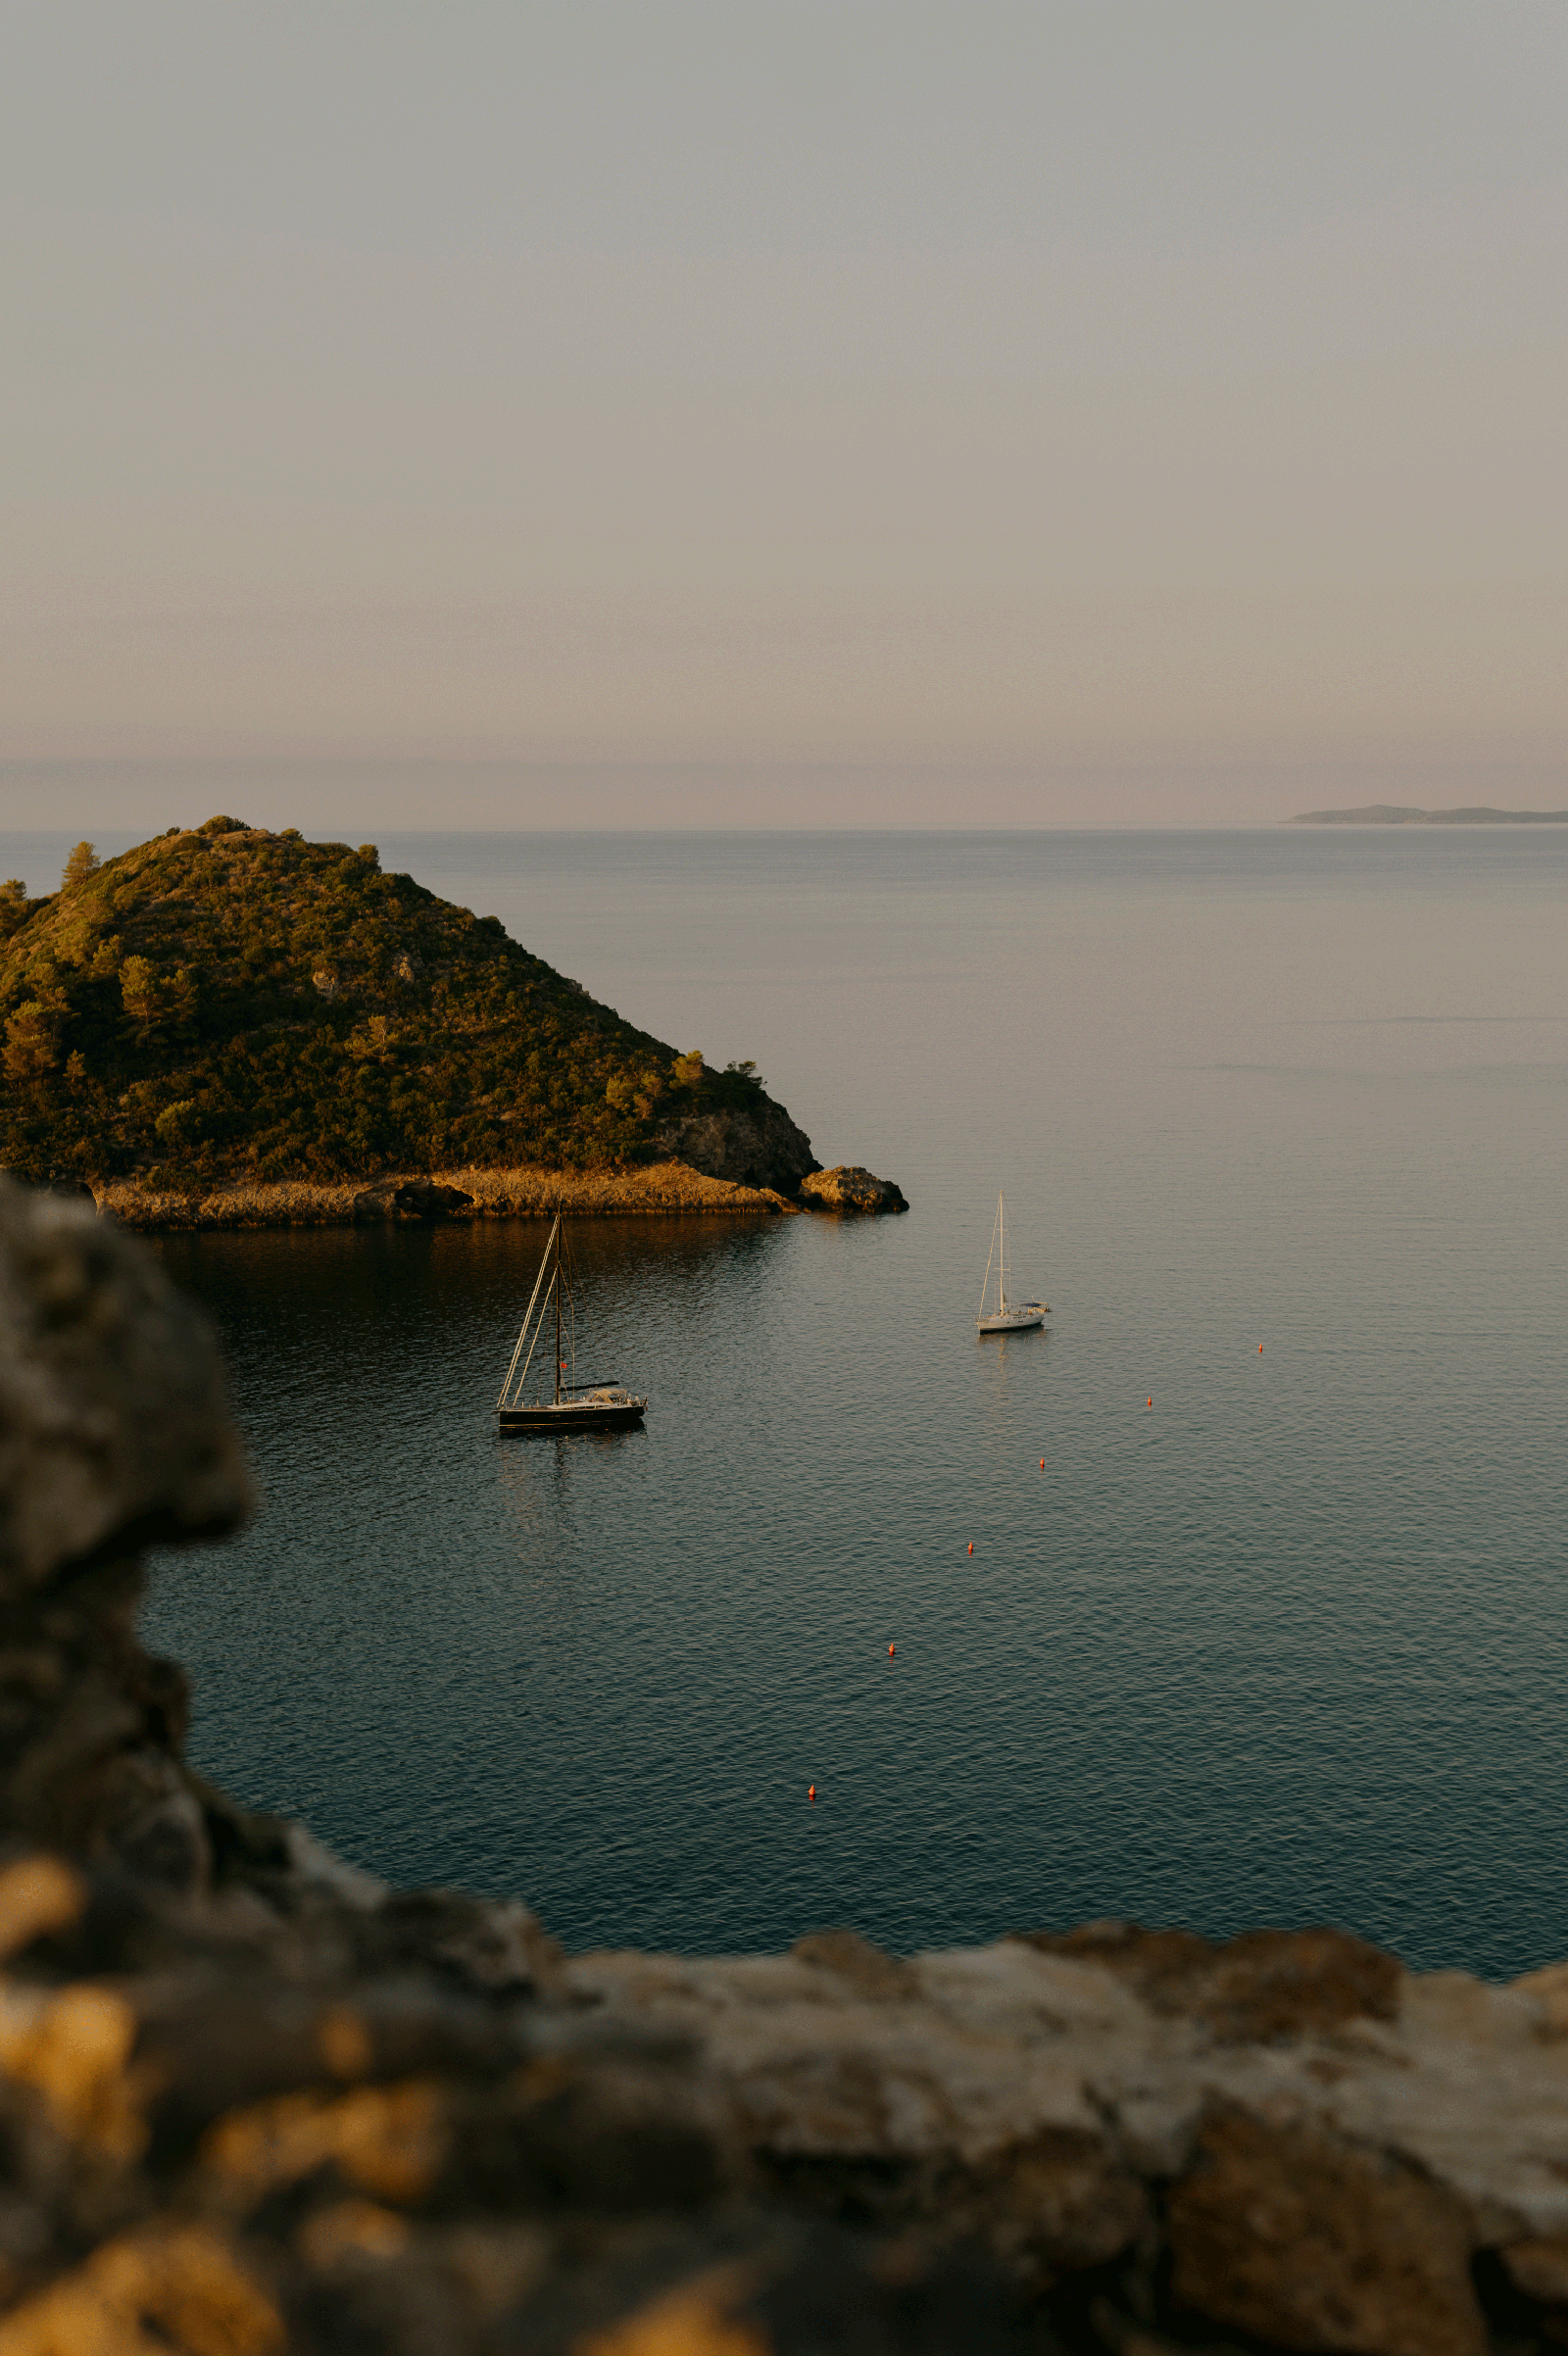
pixel 596 1406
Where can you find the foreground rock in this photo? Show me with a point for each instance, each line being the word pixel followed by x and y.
pixel 1288 2139
pixel 849 1188
pixel 252 2101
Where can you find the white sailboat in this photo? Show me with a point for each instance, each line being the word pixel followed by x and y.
pixel 1008 1316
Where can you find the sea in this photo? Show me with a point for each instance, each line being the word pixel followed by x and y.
pixel 1266 1619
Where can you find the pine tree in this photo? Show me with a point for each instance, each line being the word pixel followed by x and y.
pixel 82 862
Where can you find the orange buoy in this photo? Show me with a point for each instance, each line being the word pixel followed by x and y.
pixel 1042 1464
pixel 1148 1403
pixel 971 1546
pixel 810 1792
pixel 1261 1350
pixel 890 1650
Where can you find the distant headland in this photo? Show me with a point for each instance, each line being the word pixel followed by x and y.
pixel 225 1026
pixel 1391 813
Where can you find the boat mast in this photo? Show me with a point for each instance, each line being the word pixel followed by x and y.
pixel 558 1327
pixel 1001 1280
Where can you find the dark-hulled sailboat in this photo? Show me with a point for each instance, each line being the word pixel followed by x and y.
pixel 571 1407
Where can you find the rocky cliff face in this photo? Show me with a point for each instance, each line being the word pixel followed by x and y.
pixel 850 1188
pixel 761 1147
pixel 252 2101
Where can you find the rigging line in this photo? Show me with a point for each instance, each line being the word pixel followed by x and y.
pixel 568 1265
pixel 528 1312
pixel 558 1328
pixel 990 1256
pixel 540 1325
pixel 522 1379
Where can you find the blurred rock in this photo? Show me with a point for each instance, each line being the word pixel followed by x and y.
pixel 1308 2241
pixel 113 1433
pixel 112 1428
pixel 1263 1985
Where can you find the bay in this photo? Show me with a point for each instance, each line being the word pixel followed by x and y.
pixel 1288 1646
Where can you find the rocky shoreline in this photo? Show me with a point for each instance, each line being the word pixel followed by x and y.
pixel 253 2102
pixel 659 1190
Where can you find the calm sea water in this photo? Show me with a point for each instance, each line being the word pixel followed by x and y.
pixel 1288 1646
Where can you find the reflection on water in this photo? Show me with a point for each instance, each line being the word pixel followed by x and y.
pixel 535 1474
pixel 1289 1647
pixel 1008 1359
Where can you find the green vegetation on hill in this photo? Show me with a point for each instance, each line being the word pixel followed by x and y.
pixel 224 1004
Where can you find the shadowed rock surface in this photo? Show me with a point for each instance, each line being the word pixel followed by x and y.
pixel 253 2102
pixel 761 1147
pixel 410 1198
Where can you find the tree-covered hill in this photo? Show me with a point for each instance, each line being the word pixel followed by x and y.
pixel 224 1004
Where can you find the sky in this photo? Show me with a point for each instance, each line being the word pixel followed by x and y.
pixel 780 412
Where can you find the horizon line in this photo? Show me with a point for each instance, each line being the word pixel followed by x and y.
pixel 917 827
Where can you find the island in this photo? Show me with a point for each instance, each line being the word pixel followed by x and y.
pixel 1393 813
pixel 231 1027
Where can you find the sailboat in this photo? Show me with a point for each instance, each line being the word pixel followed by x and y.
pixel 571 1407
pixel 1008 1316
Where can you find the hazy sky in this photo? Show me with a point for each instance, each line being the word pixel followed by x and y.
pixel 946 413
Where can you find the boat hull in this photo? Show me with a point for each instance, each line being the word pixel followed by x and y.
pixel 577 1416
pixel 1017 1321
